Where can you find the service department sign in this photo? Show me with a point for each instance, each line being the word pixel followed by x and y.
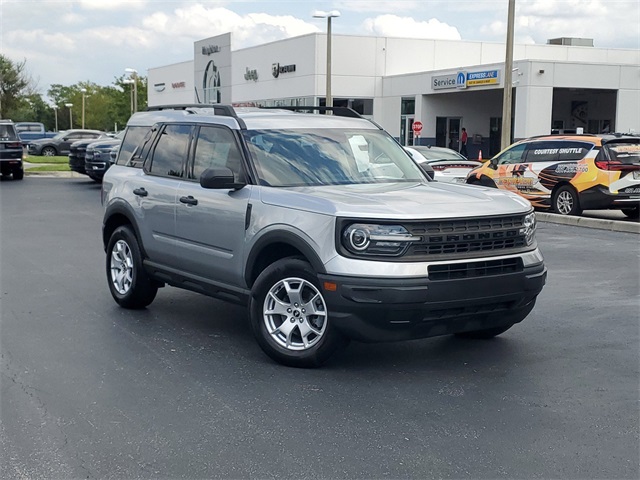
pixel 442 82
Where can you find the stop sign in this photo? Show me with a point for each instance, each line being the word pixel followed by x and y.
pixel 417 127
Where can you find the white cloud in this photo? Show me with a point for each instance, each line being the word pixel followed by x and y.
pixel 197 22
pixel 394 26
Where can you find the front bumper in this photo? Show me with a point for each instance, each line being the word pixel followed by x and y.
pixel 375 309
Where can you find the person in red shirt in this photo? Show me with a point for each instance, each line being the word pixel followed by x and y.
pixel 463 142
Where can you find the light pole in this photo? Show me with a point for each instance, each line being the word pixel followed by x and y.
pixel 328 16
pixel 508 80
pixel 134 78
pixel 84 91
pixel 55 113
pixel 69 105
pixel 128 81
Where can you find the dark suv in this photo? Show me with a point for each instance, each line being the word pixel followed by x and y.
pixel 11 151
pixel 322 225
pixel 60 144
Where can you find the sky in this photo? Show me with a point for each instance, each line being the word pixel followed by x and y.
pixel 72 41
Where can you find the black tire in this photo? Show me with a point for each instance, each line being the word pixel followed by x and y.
pixel 18 174
pixel 632 212
pixel 49 152
pixel 302 339
pixel 565 201
pixel 484 334
pixel 130 285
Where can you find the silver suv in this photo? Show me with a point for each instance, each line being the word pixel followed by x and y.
pixel 321 224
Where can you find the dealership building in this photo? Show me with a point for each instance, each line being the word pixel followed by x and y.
pixel 565 85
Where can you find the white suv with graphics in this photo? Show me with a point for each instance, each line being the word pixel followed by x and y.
pixel 321 224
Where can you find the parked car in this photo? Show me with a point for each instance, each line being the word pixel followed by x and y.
pixel 283 212
pixel 29 131
pixel 60 144
pixel 569 173
pixel 11 151
pixel 97 158
pixel 447 164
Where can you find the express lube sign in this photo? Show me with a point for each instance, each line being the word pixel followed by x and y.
pixel 465 79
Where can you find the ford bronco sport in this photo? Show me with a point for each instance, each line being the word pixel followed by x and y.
pixel 321 224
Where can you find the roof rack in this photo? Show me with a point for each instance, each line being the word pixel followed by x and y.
pixel 337 111
pixel 218 109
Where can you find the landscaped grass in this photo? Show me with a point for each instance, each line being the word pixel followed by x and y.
pixel 43 159
pixel 60 167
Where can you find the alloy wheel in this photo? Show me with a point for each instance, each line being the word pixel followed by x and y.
pixel 295 314
pixel 121 267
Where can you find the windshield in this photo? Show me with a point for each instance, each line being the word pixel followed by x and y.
pixel 59 135
pixel 627 152
pixel 288 158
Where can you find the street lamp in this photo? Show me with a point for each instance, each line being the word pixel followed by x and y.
pixel 128 81
pixel 84 91
pixel 508 82
pixel 55 112
pixel 69 105
pixel 328 16
pixel 134 78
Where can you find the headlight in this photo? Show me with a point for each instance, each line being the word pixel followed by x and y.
pixel 529 229
pixel 371 239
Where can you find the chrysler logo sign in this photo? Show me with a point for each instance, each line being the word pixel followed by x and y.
pixel 159 87
pixel 277 69
pixel 209 49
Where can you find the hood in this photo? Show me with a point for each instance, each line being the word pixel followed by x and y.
pixel 106 143
pixel 398 200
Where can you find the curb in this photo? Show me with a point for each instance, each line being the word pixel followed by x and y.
pixel 612 225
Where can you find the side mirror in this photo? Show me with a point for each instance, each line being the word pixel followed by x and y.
pixel 219 178
pixel 494 163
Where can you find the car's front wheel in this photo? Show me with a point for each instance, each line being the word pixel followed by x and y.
pixel 289 315
pixel 130 285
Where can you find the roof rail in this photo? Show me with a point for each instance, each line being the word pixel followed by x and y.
pixel 218 109
pixel 337 111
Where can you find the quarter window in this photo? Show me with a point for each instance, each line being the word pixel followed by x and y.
pixel 170 151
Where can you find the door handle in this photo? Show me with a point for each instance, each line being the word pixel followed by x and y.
pixel 141 192
pixel 189 200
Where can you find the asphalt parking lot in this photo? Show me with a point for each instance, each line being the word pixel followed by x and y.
pixel 181 389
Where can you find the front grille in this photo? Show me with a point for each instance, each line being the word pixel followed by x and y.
pixel 466 236
pixel 486 268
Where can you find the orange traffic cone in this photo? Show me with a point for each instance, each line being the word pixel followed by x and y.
pixel 479 155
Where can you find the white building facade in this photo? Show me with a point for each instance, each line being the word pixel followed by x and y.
pixel 446 85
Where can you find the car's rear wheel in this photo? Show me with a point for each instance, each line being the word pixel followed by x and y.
pixel 632 212
pixel 566 202
pixel 18 174
pixel 289 315
pixel 130 285
pixel 49 151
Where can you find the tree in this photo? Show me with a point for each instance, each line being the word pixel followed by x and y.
pixel 15 85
